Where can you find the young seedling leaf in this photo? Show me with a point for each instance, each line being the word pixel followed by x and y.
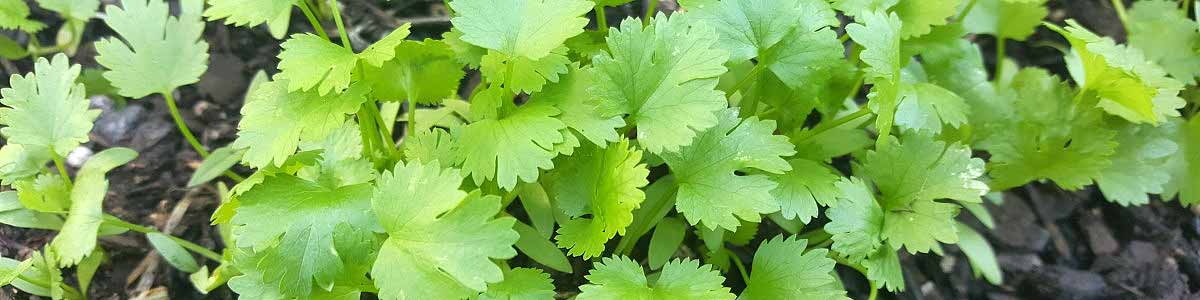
pixel 78 236
pixel 45 109
pixel 622 278
pixel 156 52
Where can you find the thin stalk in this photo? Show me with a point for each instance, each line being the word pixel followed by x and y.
pixel 1000 56
pixel 601 19
pixel 1119 5
pixel 187 133
pixel 1187 5
pixel 62 169
pixel 42 283
pixel 411 126
pixel 966 11
pixel 385 134
pixel 337 17
pixel 148 230
pixel 826 126
pixel 449 10
pixel 737 261
pixel 874 291
pixel 650 11
pixel 366 129
pixel 845 37
pixel 750 107
pixel 312 19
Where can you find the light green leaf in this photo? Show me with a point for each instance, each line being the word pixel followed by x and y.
pixel 14 14
pixel 1185 176
pixel 800 190
pixel 919 16
pixel 858 8
pixel 879 34
pixel 1139 165
pixel 80 10
pixel 525 52
pixel 621 278
pixel 511 147
pixel 1126 83
pixel 922 168
pixel 310 62
pixel 1007 19
pixel 539 248
pixel 78 236
pixel 45 109
pixel 1165 34
pixel 12 213
pixel 668 96
pixel 856 221
pixel 784 270
pixel 580 109
pixel 425 72
pixel 249 12
pixel 274 121
pixel 441 240
pixel 883 268
pixel 156 53
pixel 295 223
pixel 610 193
pixel 925 107
pixel 521 284
pixel 710 190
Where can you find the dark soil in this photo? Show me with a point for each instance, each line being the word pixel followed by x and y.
pixel 1051 244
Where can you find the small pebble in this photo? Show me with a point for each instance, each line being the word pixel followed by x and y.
pixel 78 156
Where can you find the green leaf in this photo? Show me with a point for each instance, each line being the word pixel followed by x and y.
pixel 789 37
pixel 710 190
pixel 80 10
pixel 660 199
pixel 430 145
pixel 664 77
pixel 800 190
pixel 925 107
pixel 1185 176
pixel 78 236
pixel 172 252
pixel 14 14
pixel 609 194
pixel 521 284
pixel 580 109
pixel 511 147
pixel 1006 19
pixel 295 223
pixel 879 34
pixel 1165 34
pixel 87 268
pixel 424 72
pixel 10 50
pixel 41 269
pixel 668 236
pixel 883 268
pixel 441 240
pixel 922 168
pixel 526 51
pixel 249 12
pixel 387 48
pixel 215 164
pixel 621 278
pixel 856 221
pixel 12 213
pixel 859 8
pixel 1139 165
pixel 311 63
pixel 1045 140
pixel 979 254
pixel 784 270
pixel 156 53
pixel 539 248
pixel 45 109
pixel 1126 83
pixel 919 16
pixel 12 269
pixel 536 204
pixel 275 121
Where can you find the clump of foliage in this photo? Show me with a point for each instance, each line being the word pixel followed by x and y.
pixel 858 127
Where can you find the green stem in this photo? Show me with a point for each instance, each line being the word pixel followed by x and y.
pixel 449 10
pixel 337 17
pixel 1000 56
pixel 874 291
pixel 147 230
pixel 187 133
pixel 1187 5
pixel 750 107
pixel 844 38
pixel 966 11
pixel 411 126
pixel 62 169
pixel 650 11
pixel 1119 5
pixel 312 19
pixel 366 129
pixel 601 19
pixel 737 261
pixel 385 134
pixel 826 126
